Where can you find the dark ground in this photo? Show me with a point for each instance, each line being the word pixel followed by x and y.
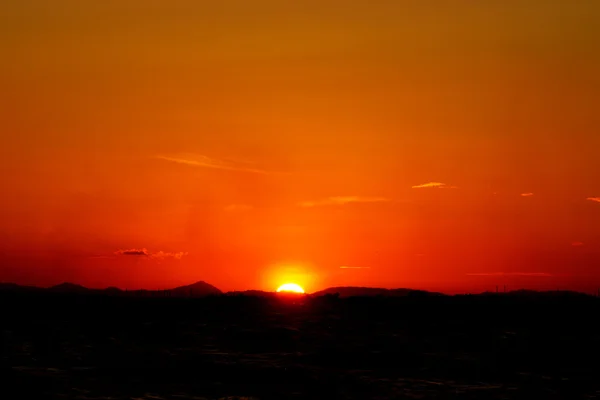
pixel 494 347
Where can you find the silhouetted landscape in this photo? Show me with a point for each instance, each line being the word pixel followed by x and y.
pixel 194 342
pixel 197 289
pixel 312 199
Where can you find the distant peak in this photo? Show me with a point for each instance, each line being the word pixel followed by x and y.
pixel 68 287
pixel 199 288
pixel 68 284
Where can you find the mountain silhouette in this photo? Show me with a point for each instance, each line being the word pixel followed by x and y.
pixel 68 287
pixel 357 291
pixel 112 290
pixel 198 289
pixel 203 289
pixel 254 293
pixel 13 287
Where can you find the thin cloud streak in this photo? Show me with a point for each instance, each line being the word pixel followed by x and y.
pixel 596 199
pixel 539 274
pixel 132 252
pixel 159 255
pixel 208 162
pixel 526 194
pixel 342 200
pixel 347 267
pixel 437 185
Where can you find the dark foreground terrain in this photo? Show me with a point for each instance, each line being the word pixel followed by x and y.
pixel 487 347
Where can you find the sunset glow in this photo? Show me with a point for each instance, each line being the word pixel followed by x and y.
pixel 290 287
pixel 448 146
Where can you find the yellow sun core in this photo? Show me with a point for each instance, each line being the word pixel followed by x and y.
pixel 290 287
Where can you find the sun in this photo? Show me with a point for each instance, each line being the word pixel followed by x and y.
pixel 290 287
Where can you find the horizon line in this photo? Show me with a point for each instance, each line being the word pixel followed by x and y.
pixel 595 292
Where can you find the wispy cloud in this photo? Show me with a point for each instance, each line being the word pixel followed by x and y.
pixel 342 200
pixel 208 162
pixel 526 194
pixel 437 185
pixel 596 199
pixel 159 255
pixel 539 274
pixel 347 267
pixel 577 244
pixel 132 252
pixel 238 207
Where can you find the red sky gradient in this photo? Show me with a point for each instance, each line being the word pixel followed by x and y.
pixel 442 145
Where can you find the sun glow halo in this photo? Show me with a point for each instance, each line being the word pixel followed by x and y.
pixel 290 287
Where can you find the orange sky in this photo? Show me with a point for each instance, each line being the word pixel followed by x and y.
pixel 251 143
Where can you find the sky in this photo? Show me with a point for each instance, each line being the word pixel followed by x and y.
pixel 442 145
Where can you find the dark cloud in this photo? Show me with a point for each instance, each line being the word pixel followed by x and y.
pixel 159 255
pixel 132 252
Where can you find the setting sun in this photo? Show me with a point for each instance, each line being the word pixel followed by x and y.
pixel 290 287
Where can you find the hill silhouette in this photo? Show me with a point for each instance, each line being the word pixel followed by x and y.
pixel 13 287
pixel 267 345
pixel 357 291
pixel 111 290
pixel 68 287
pixel 198 289
pixel 254 293
pixel 204 289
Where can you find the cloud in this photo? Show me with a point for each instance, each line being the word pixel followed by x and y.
pixel 132 252
pixel 526 194
pixel 342 200
pixel 159 255
pixel 577 244
pixel 208 162
pixel 238 207
pixel 438 185
pixel 596 199
pixel 346 267
pixel 539 274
